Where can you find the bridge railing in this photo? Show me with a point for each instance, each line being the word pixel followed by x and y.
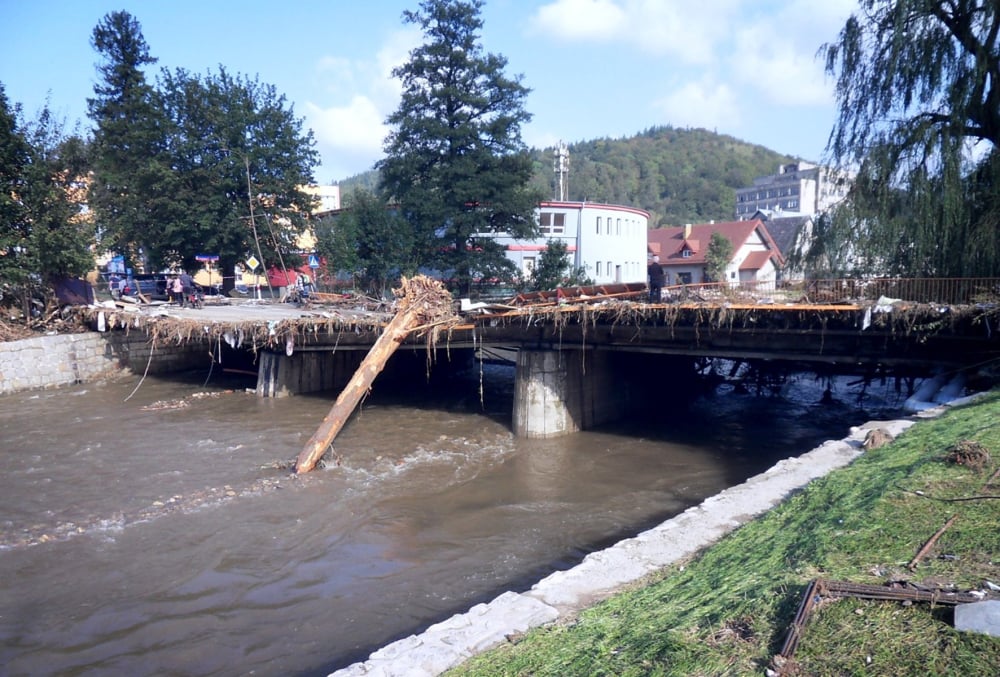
pixel 948 291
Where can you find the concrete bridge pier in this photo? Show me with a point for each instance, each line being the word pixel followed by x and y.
pixel 558 392
pixel 305 371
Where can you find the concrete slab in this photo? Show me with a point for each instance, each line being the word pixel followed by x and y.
pixel 980 617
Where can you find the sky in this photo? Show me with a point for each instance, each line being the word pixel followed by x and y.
pixel 595 68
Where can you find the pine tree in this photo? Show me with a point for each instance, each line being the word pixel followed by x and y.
pixel 455 162
pixel 128 141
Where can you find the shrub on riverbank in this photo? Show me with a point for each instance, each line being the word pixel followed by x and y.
pixel 728 611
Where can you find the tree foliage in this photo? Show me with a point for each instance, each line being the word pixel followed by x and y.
pixel 128 140
pixel 44 232
pixel 555 269
pixel 15 156
pixel 194 165
pixel 455 163
pixel 239 157
pixel 717 256
pixel 677 175
pixel 370 240
pixel 918 92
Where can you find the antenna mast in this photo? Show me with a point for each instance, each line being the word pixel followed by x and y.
pixel 561 167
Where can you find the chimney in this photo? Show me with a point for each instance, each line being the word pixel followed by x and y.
pixel 687 231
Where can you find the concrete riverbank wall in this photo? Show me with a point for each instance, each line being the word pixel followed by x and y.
pixel 64 359
pixel 601 574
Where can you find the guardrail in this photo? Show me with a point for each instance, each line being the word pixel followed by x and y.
pixel 943 290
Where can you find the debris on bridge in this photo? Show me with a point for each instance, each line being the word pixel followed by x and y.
pixel 425 306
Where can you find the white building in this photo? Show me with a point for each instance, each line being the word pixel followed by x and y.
pixel 799 188
pixel 607 241
pixel 328 197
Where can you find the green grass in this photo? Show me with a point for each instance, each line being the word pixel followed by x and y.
pixel 727 611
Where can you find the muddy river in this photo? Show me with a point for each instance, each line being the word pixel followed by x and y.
pixel 152 527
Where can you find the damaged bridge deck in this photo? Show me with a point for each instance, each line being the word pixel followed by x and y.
pixel 860 334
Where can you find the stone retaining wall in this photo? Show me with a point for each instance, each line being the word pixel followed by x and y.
pixel 65 359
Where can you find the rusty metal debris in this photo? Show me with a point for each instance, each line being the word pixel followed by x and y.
pixel 896 591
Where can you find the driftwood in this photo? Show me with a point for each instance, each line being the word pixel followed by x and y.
pixel 425 303
pixel 929 544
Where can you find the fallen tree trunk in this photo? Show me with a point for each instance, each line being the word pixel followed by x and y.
pixel 424 302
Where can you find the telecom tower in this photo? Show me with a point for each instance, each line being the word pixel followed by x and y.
pixel 561 167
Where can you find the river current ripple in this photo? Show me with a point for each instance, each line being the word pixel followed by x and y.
pixel 160 530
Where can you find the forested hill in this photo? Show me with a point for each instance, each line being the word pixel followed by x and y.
pixel 677 175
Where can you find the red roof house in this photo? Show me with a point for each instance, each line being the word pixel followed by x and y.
pixel 682 251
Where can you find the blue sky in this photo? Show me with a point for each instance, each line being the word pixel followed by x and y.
pixel 596 68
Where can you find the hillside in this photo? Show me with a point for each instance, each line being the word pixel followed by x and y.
pixel 677 175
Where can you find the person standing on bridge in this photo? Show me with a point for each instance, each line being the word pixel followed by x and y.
pixel 187 286
pixel 114 286
pixel 176 290
pixel 656 280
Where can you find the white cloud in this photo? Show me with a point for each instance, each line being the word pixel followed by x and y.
pixel 687 31
pixel 350 132
pixel 776 51
pixel 581 20
pixel 712 106
pixel 766 48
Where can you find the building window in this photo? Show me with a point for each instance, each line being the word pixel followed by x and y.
pixel 618 227
pixel 552 223
pixel 598 225
pixel 598 268
pixel 686 254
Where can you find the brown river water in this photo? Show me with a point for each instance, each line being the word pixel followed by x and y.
pixel 152 527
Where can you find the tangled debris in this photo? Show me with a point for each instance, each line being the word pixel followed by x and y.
pixel 876 438
pixel 970 454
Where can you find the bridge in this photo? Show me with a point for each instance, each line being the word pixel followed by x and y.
pixel 586 355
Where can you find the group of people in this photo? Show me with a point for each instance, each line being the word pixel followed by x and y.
pixel 180 289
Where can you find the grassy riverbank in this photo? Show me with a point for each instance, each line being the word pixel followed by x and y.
pixel 727 612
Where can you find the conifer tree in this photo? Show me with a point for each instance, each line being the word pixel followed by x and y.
pixel 129 138
pixel 455 162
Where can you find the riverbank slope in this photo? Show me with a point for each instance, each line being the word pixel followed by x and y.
pixel 728 610
pixel 714 590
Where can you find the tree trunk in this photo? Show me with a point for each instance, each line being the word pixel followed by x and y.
pixel 425 302
pixel 393 334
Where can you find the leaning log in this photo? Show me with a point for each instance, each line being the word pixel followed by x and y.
pixel 424 303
